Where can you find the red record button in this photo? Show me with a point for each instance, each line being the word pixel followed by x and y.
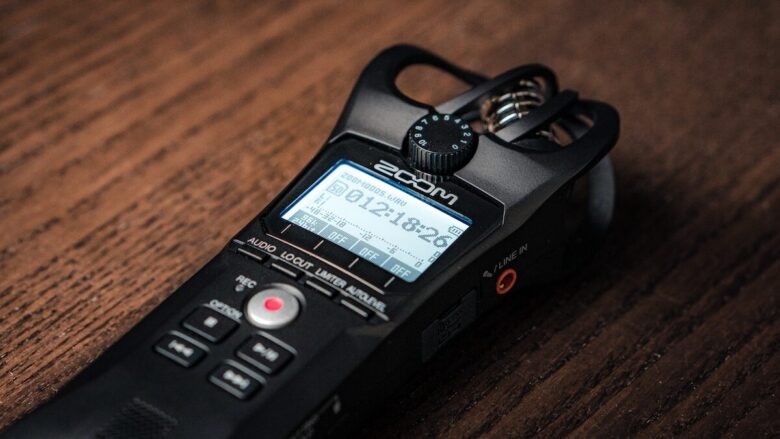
pixel 273 307
pixel 273 304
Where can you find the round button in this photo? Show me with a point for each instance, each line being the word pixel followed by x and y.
pixel 272 308
pixel 440 143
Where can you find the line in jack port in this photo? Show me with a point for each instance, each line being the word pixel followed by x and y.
pixel 506 281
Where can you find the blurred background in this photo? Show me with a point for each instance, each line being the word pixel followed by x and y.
pixel 136 137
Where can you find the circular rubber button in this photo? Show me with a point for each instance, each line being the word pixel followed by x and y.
pixel 272 308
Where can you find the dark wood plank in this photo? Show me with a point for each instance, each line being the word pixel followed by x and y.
pixel 137 137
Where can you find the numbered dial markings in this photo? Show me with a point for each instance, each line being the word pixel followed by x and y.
pixel 440 143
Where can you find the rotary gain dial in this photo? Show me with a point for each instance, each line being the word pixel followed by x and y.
pixel 440 143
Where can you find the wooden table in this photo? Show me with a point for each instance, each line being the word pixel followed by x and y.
pixel 136 138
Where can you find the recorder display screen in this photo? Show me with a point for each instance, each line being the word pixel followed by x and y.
pixel 377 220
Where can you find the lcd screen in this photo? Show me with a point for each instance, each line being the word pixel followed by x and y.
pixel 377 220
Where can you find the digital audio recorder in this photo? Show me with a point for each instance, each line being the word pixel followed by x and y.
pixel 412 221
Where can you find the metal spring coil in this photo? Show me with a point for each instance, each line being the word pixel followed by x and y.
pixel 500 111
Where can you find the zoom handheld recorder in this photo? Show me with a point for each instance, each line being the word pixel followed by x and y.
pixel 410 222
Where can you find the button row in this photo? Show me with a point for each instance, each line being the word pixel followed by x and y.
pixel 261 352
pixel 256 312
pixel 205 322
pixel 338 255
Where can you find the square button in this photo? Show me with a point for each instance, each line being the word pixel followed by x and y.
pixel 252 254
pixel 286 269
pixel 264 354
pixel 179 350
pixel 234 381
pixel 209 324
pixel 354 307
pixel 320 288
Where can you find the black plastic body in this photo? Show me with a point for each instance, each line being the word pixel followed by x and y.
pixel 344 363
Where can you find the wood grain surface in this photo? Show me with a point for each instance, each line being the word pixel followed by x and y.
pixel 137 137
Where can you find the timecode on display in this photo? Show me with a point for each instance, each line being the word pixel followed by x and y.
pixel 376 220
